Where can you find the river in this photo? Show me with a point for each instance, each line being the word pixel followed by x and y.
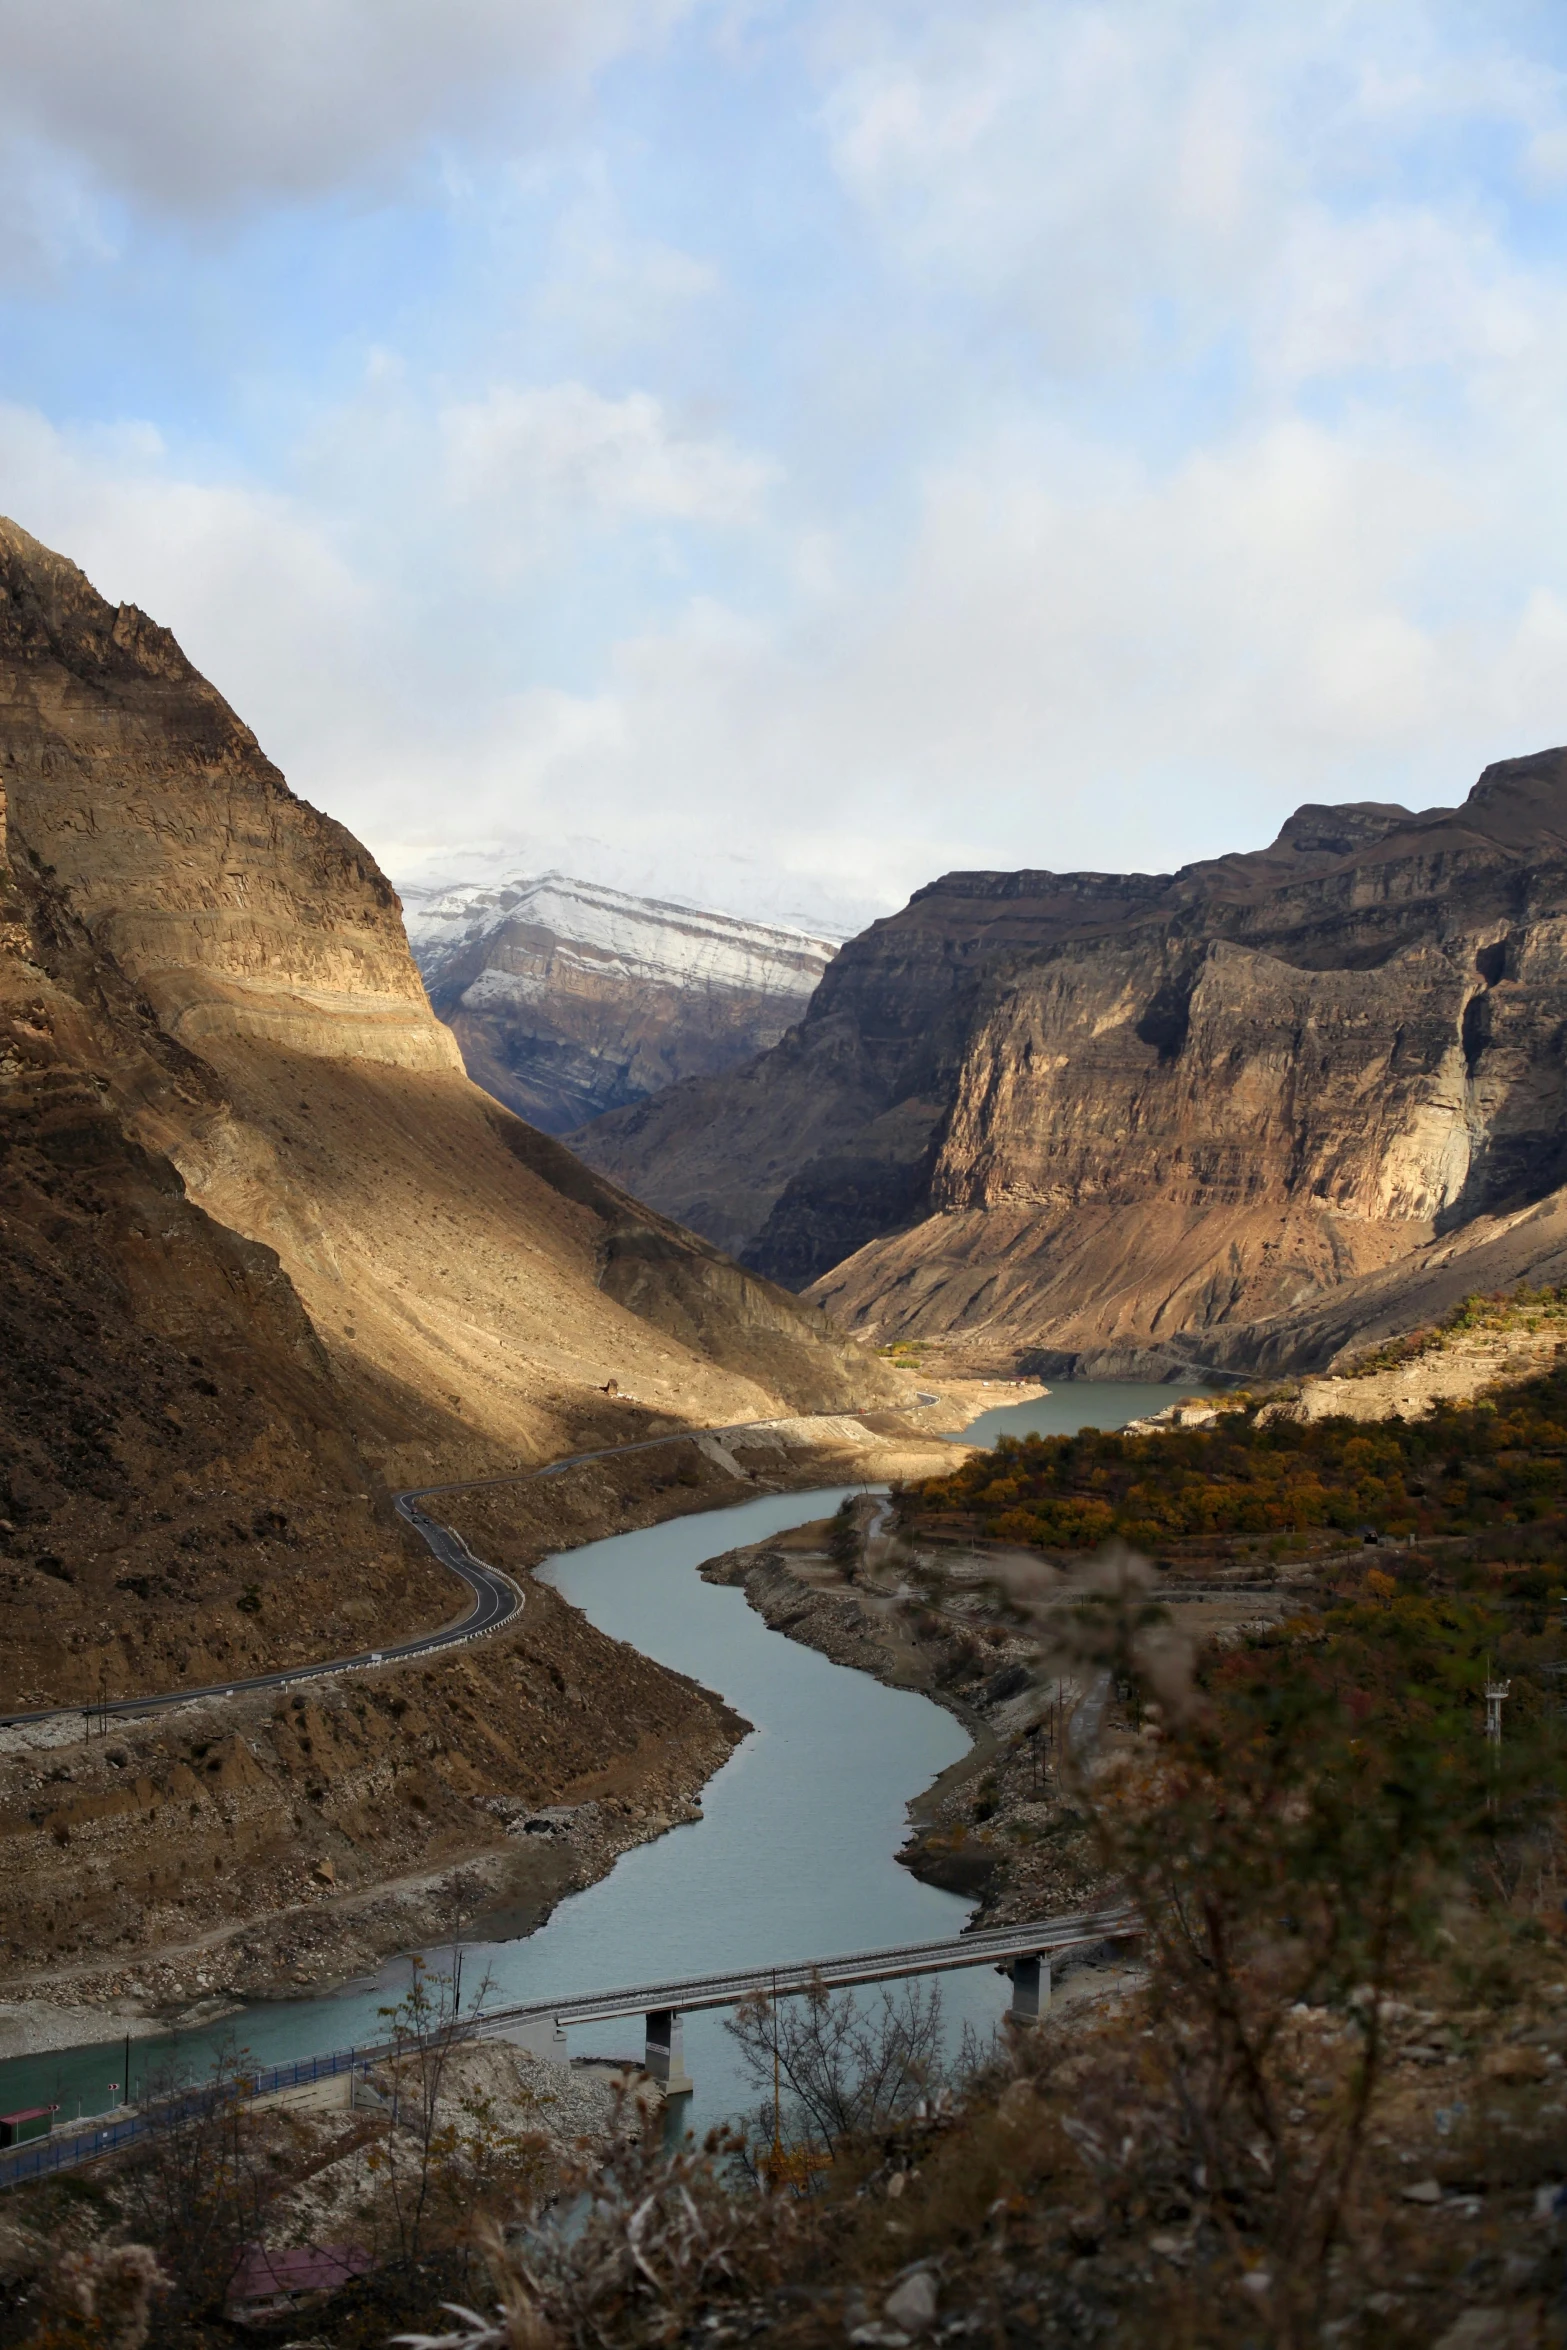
pixel 1077 1403
pixel 793 1857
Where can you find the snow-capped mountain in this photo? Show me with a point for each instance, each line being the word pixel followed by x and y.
pixel 569 998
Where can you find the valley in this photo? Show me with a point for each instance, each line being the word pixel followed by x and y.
pixel 269 1257
pixel 783 1176
pixel 1229 1118
pixel 272 1256
pixel 272 1260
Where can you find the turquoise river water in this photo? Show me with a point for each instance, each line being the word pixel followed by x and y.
pixel 793 1857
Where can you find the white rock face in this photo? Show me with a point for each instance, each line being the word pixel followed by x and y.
pixel 610 932
pixel 569 998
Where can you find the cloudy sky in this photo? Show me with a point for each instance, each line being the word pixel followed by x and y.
pixel 778 450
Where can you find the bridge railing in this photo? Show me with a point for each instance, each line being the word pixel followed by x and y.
pixel 52 2154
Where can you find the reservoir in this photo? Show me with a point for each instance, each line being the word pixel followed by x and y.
pixel 792 1859
pixel 1078 1403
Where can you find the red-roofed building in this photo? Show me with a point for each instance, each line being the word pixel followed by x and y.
pixel 266 2280
pixel 35 2121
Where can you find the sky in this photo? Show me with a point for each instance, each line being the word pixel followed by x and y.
pixel 773 452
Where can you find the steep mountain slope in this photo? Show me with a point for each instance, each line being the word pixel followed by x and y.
pixel 265 1252
pixel 470 1283
pixel 568 999
pixel 1112 1123
pixel 856 1091
pixel 181 1491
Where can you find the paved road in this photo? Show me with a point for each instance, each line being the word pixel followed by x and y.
pixel 496 1598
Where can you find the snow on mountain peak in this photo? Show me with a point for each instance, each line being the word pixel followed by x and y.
pixel 613 932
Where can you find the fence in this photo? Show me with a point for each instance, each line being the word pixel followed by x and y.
pixel 69 2149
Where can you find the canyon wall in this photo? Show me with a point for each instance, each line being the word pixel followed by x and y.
pixel 182 1491
pixel 1129 1123
pixel 472 1285
pixel 569 999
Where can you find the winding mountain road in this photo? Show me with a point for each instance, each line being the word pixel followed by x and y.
pixel 497 1597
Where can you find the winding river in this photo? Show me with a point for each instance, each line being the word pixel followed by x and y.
pixel 793 1857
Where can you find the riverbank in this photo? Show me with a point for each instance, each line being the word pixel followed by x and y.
pixel 277 1845
pixel 920 1611
pixel 865 1612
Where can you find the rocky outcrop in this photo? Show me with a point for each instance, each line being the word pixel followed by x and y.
pixel 473 1288
pixel 569 999
pixel 1122 1125
pixel 857 1092
pixel 265 1252
pixel 238 909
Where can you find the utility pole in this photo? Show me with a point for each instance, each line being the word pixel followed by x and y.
pixel 1495 1691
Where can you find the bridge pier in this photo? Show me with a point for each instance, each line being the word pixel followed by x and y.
pixel 665 2057
pixel 1030 1989
pixel 542 2036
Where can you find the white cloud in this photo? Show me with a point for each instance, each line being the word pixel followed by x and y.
pixel 1081 660
pixel 193 105
pixel 1070 161
pixel 1082 663
pixel 605 284
pixel 1207 548
pixel 1116 172
pixel 1401 287
pixel 527 456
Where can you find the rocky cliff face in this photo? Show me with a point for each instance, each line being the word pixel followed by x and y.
pixel 466 1280
pixel 239 909
pixel 569 999
pixel 182 1490
pixel 857 1092
pixel 1123 1124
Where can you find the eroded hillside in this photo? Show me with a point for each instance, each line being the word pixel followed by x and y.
pixel 472 1284
pixel 1121 1124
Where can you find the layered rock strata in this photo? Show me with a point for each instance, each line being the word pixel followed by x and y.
pixel 183 1494
pixel 472 1284
pixel 568 999
pixel 266 1254
pixel 1121 1124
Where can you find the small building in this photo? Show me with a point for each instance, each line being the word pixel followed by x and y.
pixel 268 2284
pixel 34 2121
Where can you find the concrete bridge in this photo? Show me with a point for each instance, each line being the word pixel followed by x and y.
pixel 1024 1952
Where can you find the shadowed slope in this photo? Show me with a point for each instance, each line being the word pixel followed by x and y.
pixel 471 1283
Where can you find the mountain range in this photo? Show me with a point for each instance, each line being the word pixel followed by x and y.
pixel 568 998
pixel 1125 1124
